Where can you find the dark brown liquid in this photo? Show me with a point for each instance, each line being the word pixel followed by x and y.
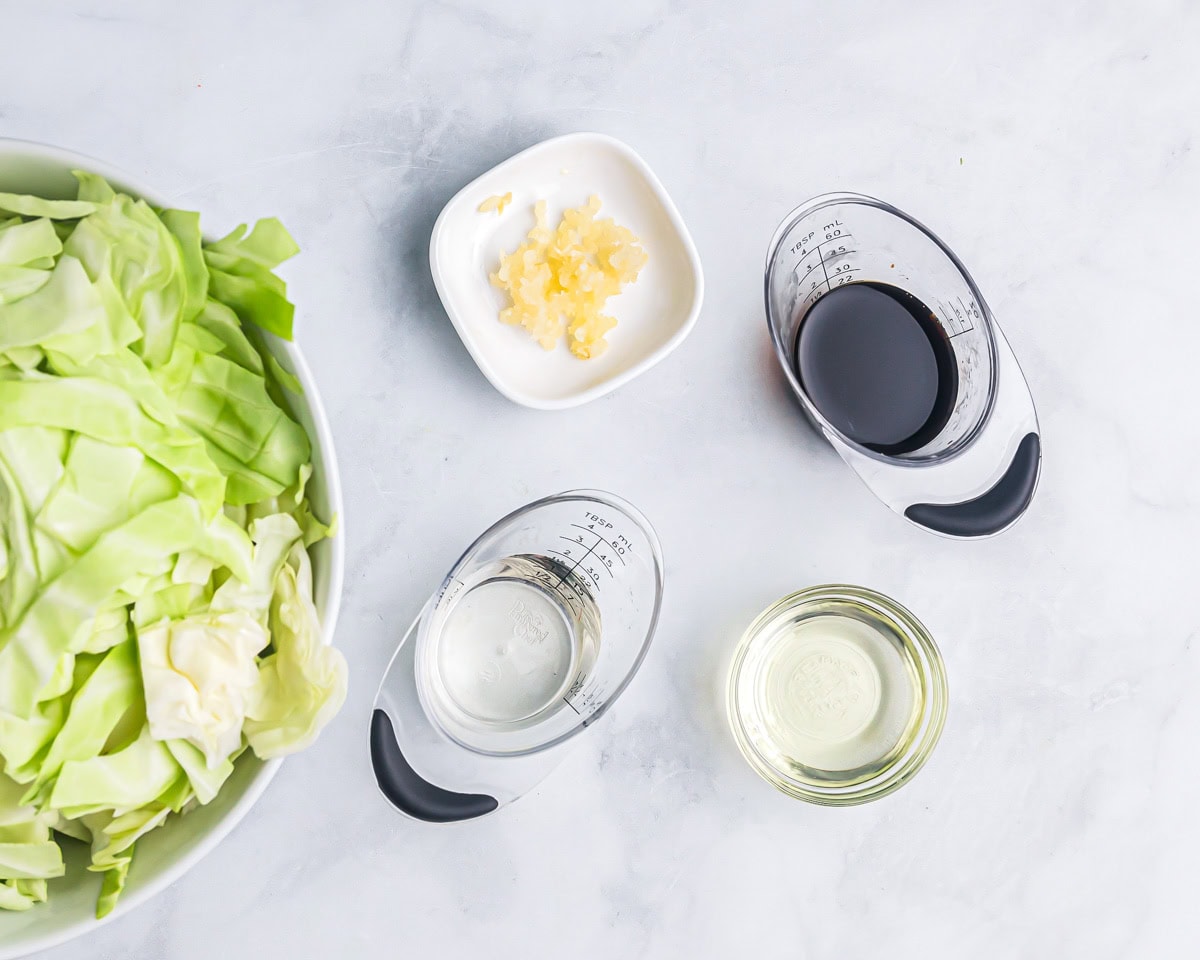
pixel 878 365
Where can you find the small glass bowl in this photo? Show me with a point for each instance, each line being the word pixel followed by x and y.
pixel 893 687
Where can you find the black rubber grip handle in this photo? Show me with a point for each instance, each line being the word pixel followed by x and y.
pixel 409 791
pixel 992 511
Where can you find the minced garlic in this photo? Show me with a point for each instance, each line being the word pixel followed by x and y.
pixel 496 203
pixel 559 279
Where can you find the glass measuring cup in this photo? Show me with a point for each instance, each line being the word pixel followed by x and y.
pixel 977 473
pixel 531 636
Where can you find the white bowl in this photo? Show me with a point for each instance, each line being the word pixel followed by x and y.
pixel 653 315
pixel 165 854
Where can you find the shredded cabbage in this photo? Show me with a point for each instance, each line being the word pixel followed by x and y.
pixel 156 598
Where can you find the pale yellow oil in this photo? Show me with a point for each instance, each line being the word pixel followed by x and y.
pixel 829 696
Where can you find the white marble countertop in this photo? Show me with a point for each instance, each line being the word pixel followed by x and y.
pixel 1054 146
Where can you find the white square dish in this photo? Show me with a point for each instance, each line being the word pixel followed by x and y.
pixel 654 314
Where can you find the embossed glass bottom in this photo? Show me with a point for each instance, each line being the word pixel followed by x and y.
pixel 513 642
pixel 837 695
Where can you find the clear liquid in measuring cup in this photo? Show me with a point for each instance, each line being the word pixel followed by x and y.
pixel 518 640
pixel 878 365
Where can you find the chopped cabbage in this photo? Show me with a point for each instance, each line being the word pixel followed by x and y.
pixel 156 606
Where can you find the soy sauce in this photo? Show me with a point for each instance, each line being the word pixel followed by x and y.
pixel 878 366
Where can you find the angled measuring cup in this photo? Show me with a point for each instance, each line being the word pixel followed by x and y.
pixel 528 640
pixel 973 464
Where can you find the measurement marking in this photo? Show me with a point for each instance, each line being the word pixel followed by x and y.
pixel 821 262
pixel 806 272
pixel 589 552
pixel 572 706
pixel 970 314
pixel 576 561
pixel 607 543
pixel 956 325
pixel 570 602
pixel 951 320
pixel 592 551
pixel 570 599
pixel 561 579
pixel 808 253
pixel 947 316
pixel 826 271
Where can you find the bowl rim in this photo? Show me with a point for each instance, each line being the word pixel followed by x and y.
pixel 652 359
pixel 916 749
pixel 31 149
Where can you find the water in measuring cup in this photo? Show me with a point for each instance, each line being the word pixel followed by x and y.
pixel 519 638
pixel 878 365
